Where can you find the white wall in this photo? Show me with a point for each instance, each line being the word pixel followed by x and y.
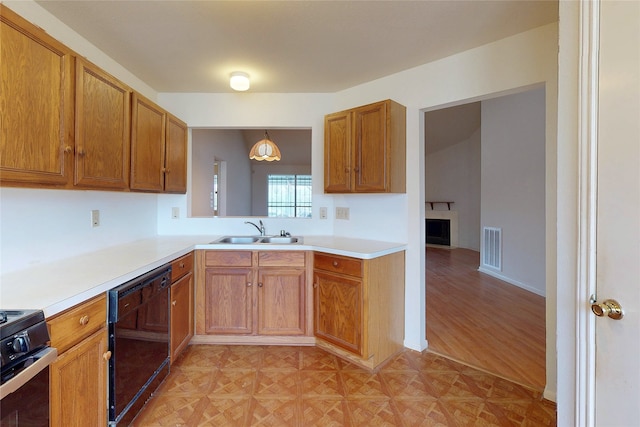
pixel 513 185
pixel 453 173
pixel 39 226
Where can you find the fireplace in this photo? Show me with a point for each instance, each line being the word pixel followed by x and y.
pixel 441 228
pixel 438 231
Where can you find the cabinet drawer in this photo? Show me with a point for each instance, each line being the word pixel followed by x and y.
pixel 338 264
pixel 228 259
pixel 181 266
pixel 77 323
pixel 281 259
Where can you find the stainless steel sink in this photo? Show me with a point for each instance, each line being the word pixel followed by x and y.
pixel 279 239
pixel 239 240
pixel 248 240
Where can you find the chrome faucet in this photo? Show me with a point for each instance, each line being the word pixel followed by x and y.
pixel 261 229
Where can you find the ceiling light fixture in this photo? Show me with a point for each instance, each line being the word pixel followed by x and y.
pixel 265 149
pixel 239 81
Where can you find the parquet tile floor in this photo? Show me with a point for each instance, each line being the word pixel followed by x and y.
pixel 307 386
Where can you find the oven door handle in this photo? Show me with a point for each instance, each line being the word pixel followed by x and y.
pixel 43 359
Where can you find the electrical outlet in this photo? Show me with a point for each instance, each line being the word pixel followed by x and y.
pixel 323 213
pixel 175 212
pixel 342 213
pixel 95 218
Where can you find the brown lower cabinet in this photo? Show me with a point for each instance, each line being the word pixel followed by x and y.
pixel 359 306
pixel 78 377
pixel 181 304
pixel 252 293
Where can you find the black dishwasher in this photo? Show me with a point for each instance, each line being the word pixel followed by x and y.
pixel 138 341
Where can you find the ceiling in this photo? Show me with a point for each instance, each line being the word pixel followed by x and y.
pixel 289 46
pixel 449 126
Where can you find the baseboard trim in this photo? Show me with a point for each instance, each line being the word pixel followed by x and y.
pixel 512 281
pixel 253 340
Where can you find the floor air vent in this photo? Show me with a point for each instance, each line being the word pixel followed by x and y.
pixel 492 248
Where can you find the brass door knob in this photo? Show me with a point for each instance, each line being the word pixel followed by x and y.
pixel 609 308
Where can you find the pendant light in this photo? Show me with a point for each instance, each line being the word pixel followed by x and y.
pixel 265 149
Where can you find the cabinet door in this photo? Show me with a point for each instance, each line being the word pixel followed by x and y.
pixel 78 395
pixel 228 301
pixel 338 310
pixel 337 152
pixel 103 129
pixel 36 95
pixel 181 314
pixel 147 145
pixel 371 149
pixel 281 301
pixel 175 179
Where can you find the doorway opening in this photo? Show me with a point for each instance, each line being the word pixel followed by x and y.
pixel 488 157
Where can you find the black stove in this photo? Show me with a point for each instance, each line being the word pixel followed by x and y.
pixel 22 333
pixel 25 357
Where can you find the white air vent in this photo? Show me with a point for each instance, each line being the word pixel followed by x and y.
pixel 492 248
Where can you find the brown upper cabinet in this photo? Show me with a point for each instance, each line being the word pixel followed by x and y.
pixel 36 94
pixel 110 138
pixel 103 129
pixel 175 176
pixel 147 145
pixel 365 149
pixel 158 148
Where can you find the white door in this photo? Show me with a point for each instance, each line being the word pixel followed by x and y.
pixel 617 353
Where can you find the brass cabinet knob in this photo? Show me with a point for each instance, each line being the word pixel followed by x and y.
pixel 335 263
pixel 68 149
pixel 248 283
pixel 173 303
pixel 609 308
pixel 182 265
pixel 107 355
pixel 259 284
pixel 84 320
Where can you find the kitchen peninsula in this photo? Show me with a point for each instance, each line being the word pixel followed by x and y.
pixel 59 285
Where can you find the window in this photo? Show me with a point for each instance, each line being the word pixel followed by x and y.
pixel 289 196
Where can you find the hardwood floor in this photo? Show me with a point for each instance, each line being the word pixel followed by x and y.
pixel 482 321
pixel 226 386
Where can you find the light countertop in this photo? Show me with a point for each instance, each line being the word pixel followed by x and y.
pixel 57 286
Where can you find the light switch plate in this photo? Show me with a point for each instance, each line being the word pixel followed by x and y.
pixel 342 213
pixel 323 213
pixel 175 212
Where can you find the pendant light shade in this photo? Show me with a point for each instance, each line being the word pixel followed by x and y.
pixel 265 149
